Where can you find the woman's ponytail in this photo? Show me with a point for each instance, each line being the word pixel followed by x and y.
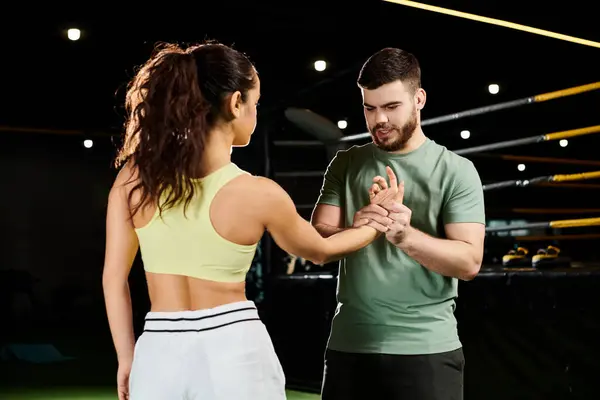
pixel 172 103
pixel 166 129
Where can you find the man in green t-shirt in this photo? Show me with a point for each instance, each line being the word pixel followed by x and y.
pixel 394 333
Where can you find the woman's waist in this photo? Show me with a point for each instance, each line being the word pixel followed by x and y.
pixel 201 319
pixel 178 293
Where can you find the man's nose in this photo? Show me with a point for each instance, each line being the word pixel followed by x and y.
pixel 380 117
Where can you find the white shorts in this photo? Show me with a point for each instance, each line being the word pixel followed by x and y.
pixel 220 353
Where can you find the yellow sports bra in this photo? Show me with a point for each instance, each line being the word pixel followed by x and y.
pixel 189 245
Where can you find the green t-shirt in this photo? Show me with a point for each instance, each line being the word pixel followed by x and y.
pixel 387 302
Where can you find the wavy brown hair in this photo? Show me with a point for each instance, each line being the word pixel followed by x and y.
pixel 173 101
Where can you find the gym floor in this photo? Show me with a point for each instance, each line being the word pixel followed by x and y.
pixel 66 369
pixel 101 393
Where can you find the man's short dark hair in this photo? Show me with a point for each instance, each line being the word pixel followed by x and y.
pixel 389 65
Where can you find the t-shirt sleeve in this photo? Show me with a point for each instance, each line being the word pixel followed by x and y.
pixel 465 202
pixel 334 180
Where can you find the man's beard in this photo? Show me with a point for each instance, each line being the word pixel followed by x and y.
pixel 397 139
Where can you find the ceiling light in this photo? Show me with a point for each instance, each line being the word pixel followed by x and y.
pixel 74 34
pixel 494 88
pixel 320 65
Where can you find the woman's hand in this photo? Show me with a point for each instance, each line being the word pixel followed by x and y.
pixel 123 379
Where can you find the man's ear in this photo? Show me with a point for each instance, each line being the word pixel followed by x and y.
pixel 420 98
pixel 234 105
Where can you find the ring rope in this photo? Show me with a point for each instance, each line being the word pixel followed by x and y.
pixel 550 210
pixel 531 139
pixel 540 238
pixel 576 177
pixel 549 178
pixel 572 223
pixel 540 180
pixel 496 107
pixel 566 223
pixel 551 160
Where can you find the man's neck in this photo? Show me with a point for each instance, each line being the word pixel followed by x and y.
pixel 415 141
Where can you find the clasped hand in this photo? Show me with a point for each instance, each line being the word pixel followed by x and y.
pixel 386 212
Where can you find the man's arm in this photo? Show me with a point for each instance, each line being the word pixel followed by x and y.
pixel 327 219
pixel 328 216
pixel 460 254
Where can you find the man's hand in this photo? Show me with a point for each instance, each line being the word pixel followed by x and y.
pixel 391 198
pixel 459 255
pixel 382 194
pixel 375 215
pixel 400 227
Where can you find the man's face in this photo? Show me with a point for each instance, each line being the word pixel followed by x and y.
pixel 391 114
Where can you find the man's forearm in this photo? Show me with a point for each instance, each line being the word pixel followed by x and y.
pixel 327 230
pixel 452 258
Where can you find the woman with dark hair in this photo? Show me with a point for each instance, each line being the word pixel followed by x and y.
pixel 197 219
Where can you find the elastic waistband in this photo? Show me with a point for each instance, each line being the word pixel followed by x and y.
pixel 201 320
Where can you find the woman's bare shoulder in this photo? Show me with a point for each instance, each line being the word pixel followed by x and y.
pixel 127 177
pixel 262 195
pixel 259 187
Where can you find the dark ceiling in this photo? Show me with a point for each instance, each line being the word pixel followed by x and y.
pixel 51 82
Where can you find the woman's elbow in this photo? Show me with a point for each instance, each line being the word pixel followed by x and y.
pixel 112 281
pixel 323 255
pixel 319 258
pixel 318 254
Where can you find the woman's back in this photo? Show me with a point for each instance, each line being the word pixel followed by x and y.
pixel 200 259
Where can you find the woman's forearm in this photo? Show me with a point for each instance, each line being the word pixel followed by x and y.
pixel 117 298
pixel 348 241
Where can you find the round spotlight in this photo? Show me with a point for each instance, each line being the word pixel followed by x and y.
pixel 74 34
pixel 494 88
pixel 88 143
pixel 465 134
pixel 320 65
pixel 521 167
pixel 563 143
pixel 342 124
